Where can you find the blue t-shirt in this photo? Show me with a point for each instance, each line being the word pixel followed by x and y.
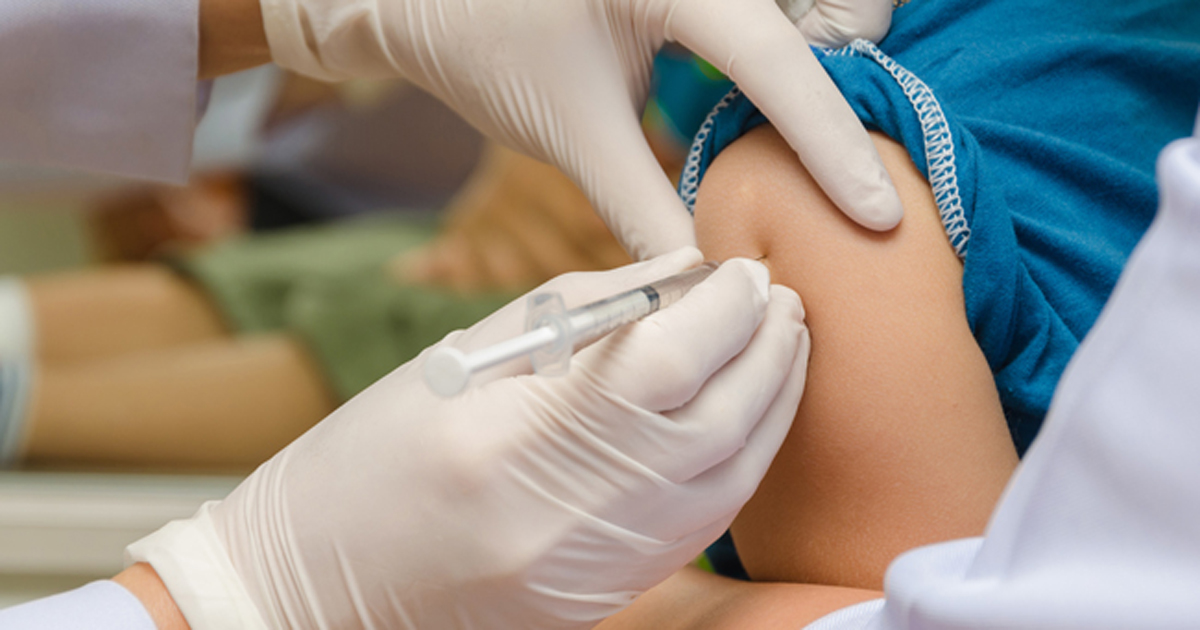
pixel 1037 124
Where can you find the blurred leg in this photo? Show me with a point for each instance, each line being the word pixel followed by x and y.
pixel 223 404
pixel 93 314
pixel 900 440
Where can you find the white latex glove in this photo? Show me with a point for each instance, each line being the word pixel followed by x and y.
pixel 527 501
pixel 566 82
pixel 835 23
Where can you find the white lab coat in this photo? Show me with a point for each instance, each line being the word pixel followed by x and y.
pixel 100 605
pixel 1100 527
pixel 102 85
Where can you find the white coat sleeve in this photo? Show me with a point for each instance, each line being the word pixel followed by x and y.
pixel 100 85
pixel 98 606
pixel 1100 526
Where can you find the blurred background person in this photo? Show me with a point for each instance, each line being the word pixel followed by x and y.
pixel 331 233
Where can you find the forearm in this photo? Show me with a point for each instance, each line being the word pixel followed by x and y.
pixel 141 580
pixel 231 37
pixel 693 599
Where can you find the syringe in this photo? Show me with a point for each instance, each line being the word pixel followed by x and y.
pixel 553 333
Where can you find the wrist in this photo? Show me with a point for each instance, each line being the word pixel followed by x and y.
pixel 142 580
pixel 232 37
pixel 189 557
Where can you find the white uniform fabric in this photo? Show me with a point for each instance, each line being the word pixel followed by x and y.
pixel 97 606
pixel 101 85
pixel 1100 527
pixel 16 365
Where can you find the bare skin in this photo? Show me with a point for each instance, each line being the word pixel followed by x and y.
pixel 118 310
pixel 223 405
pixel 232 37
pixel 900 440
pixel 136 370
pixel 696 600
pixel 142 580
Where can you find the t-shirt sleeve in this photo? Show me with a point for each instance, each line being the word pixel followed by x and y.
pixel 103 85
pixel 103 605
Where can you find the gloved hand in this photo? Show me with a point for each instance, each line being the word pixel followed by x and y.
pixel 566 82
pixel 527 501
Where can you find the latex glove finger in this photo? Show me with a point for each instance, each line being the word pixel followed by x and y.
pixel 835 23
pixel 754 44
pixel 777 354
pixel 716 495
pixel 576 289
pixel 739 475
pixel 750 384
pixel 660 362
pixel 679 445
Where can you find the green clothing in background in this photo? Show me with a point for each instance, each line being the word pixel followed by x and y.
pixel 327 286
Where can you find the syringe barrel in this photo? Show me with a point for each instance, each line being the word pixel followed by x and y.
pixel 553 335
pixel 587 323
pixel 670 289
pixel 599 318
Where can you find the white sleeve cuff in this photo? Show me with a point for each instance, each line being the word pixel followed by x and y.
pixel 16 366
pixel 102 85
pixel 856 617
pixel 98 606
pixel 191 561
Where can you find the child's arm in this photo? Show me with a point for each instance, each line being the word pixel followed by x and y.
pixel 694 600
pixel 900 439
